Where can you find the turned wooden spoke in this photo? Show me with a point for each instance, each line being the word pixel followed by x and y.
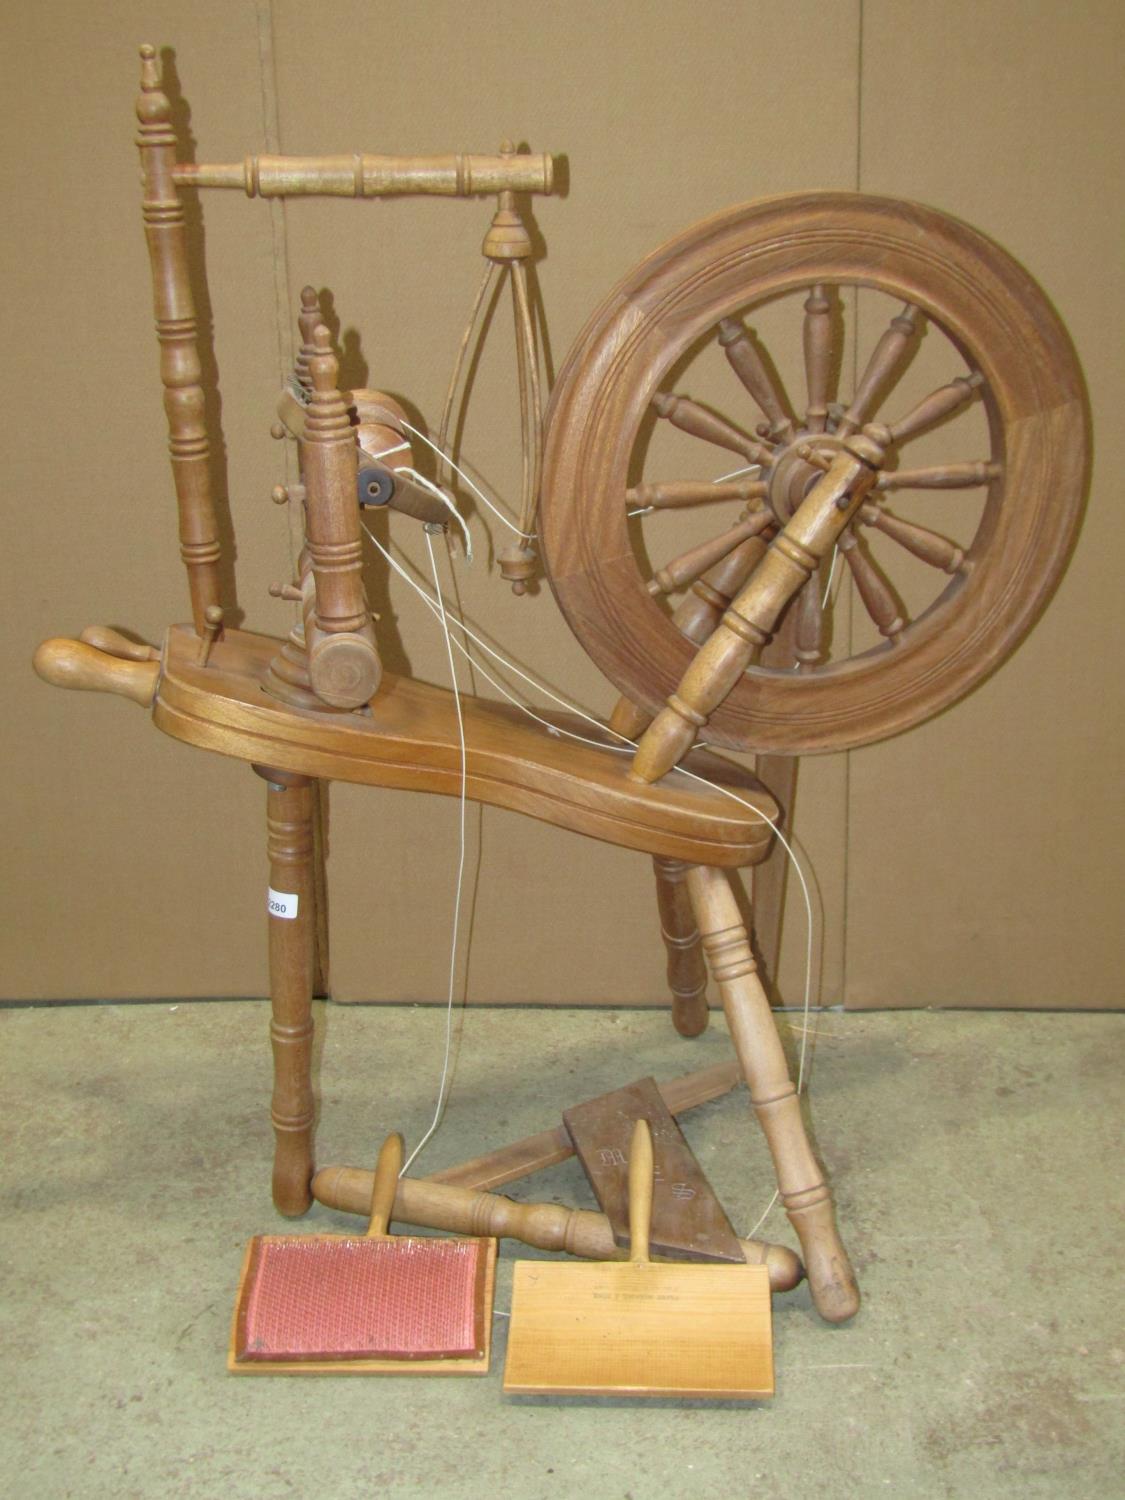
pixel 938 404
pixel 883 368
pixel 808 631
pixel 692 564
pixel 930 546
pixel 818 357
pixel 876 593
pixel 692 418
pixel 747 363
pixel 940 477
pixel 710 596
pixel 681 493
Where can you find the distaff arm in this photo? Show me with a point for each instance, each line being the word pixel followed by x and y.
pixel 360 175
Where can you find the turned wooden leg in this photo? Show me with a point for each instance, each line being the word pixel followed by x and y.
pixel 804 1191
pixel 321 977
pixel 687 970
pixel 292 938
pixel 778 774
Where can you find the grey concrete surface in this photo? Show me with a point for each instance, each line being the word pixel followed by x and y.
pixel 976 1159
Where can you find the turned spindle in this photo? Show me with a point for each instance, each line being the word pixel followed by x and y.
pixel 690 565
pixel 177 336
pixel 680 493
pixel 884 366
pixel 817 338
pixel 687 971
pixel 748 364
pixel 808 627
pixel 874 590
pixel 933 408
pixel 930 547
pixel 292 944
pixel 692 418
pixel 344 666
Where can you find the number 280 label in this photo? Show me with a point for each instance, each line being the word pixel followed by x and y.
pixel 282 903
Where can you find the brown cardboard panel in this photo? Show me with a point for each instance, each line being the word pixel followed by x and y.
pixel 984 848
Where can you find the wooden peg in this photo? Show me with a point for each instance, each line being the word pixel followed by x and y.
pixel 288 591
pixel 212 625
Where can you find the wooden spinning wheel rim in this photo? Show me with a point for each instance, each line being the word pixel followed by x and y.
pixel 989 308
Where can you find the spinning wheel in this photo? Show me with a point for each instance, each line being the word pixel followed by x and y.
pixel 1005 348
pixel 318 707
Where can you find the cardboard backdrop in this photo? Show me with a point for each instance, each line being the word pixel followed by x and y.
pixel 972 861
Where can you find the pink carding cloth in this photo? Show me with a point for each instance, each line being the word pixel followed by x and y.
pixel 341 1298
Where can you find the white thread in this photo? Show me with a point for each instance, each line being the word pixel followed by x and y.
pixel 386 452
pixel 831 575
pixel 642 510
pixel 477 491
pixel 737 473
pixel 447 501
pixel 440 1106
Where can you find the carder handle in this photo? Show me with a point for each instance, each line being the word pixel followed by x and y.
pixel 387 1169
pixel 640 1192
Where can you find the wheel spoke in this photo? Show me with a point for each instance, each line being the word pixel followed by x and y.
pixel 709 597
pixel 679 493
pixel 808 625
pixel 927 545
pixel 877 595
pixel 884 368
pixel 940 477
pixel 747 363
pixel 818 357
pixel 692 564
pixel 692 418
pixel 938 404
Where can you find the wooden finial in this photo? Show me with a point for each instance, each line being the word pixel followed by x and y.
pixel 324 368
pixel 308 319
pixel 150 68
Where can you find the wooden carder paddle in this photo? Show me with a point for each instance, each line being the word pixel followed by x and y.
pixel 377 1304
pixel 639 1328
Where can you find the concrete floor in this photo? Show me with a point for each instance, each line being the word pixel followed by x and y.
pixel 976 1158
